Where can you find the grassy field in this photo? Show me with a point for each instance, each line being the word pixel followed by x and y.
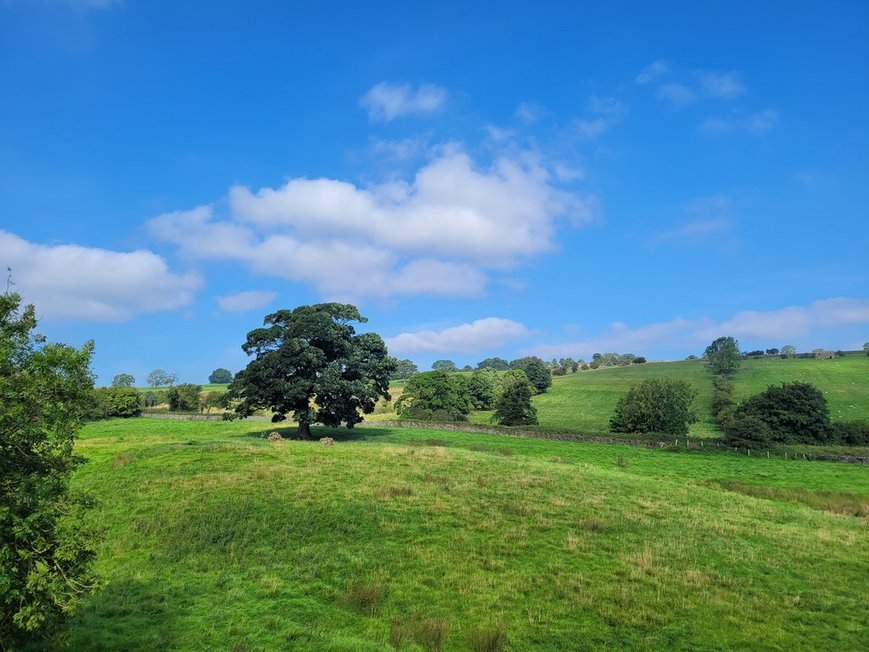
pixel 424 540
pixel 584 402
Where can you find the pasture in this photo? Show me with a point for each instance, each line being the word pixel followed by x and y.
pixel 407 539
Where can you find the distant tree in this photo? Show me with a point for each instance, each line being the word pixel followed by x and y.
pixel 568 364
pixel 626 359
pixel 596 357
pixel 435 396
pixel 639 360
pixel 536 371
pixel 116 402
pixel 513 407
pixel 160 378
pixel 788 349
pixel 484 386
pixel 795 412
pixel 444 365
pixel 403 369
pixel 467 367
pixel 691 357
pixel 498 364
pixel 220 376
pixel 656 405
pixel 866 346
pixel 772 351
pixel 722 356
pixel 310 362
pixel 46 546
pixel 123 380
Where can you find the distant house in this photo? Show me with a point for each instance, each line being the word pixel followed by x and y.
pixel 824 355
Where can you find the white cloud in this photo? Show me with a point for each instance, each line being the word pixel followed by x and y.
pixel 721 85
pixel 653 71
pixel 244 301
pixel 757 123
pixel 792 324
pixel 83 283
pixel 608 111
pixel 385 102
pixel 529 112
pixel 478 336
pixel 437 234
pixel 676 93
pixel 694 230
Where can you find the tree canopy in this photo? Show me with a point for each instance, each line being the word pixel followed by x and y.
pixel 655 405
pixel 160 378
pixel 513 407
pixel 435 396
pixel 498 364
pixel 722 356
pixel 45 549
pixel 404 369
pixel 536 370
pixel 444 365
pixel 220 376
pixel 309 362
pixel 123 380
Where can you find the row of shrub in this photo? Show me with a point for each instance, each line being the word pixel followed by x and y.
pixel 129 402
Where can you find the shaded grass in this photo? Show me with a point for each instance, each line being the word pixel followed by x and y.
pixel 849 504
pixel 216 539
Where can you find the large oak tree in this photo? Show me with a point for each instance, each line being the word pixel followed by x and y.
pixel 309 362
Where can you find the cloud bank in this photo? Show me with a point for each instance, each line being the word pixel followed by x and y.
pixel 481 335
pixel 385 102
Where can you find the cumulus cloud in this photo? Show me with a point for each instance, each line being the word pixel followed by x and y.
pixel 385 102
pixel 244 301
pixel 607 111
pixel 652 72
pixel 721 85
pixel 436 234
pixel 83 283
pixel 792 323
pixel 478 336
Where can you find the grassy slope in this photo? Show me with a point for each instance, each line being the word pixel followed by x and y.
pixel 217 539
pixel 585 401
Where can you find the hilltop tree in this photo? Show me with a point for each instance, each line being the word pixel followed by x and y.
pixel 788 349
pixel 160 378
pixel 722 356
pixel 536 370
pixel 310 362
pixel 444 365
pixel 498 364
pixel 403 369
pixel 220 376
pixel 123 380
pixel 513 407
pixel 45 547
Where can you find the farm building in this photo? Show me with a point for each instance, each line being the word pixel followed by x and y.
pixel 824 355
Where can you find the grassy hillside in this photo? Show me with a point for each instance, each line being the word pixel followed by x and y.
pixel 585 401
pixel 426 540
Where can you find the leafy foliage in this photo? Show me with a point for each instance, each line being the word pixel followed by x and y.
pixel 45 550
pixel 536 370
pixel 795 412
pixel 116 402
pixel 403 369
pixel 123 380
pixel 513 407
pixel 722 356
pixel 160 378
pixel 498 364
pixel 435 396
pixel 746 431
pixel 184 397
pixel 656 405
pixel 850 433
pixel 312 353
pixel 220 376
pixel 483 387
pixel 444 365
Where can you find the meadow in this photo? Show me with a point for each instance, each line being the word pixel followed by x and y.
pixel 217 539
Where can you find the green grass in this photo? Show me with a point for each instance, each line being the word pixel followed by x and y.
pixel 584 401
pixel 424 540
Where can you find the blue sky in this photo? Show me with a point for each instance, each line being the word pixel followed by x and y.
pixel 481 179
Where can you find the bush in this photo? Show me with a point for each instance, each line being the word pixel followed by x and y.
pixel 851 433
pixel 795 412
pixel 184 397
pixel 116 402
pixel 514 403
pixel 483 387
pixel 656 405
pixel 746 432
pixel 639 360
pixel 722 395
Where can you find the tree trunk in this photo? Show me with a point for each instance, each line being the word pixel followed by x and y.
pixel 304 431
